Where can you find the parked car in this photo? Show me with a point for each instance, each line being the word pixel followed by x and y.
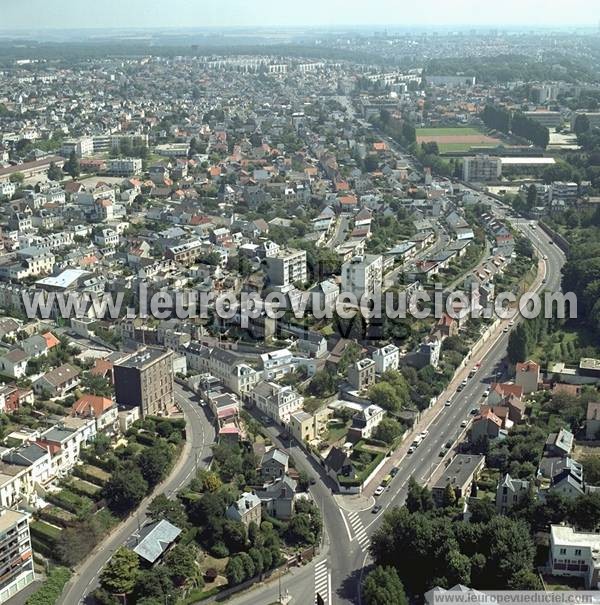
pixel 376 509
pixel 424 434
pixel 474 411
pixel 464 424
pixel 411 449
pixel 394 471
pixel 379 491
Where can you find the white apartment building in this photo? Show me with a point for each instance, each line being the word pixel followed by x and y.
pixel 287 267
pixel 386 358
pixel 574 553
pixel 82 147
pixel 362 275
pixel 276 401
pixel 482 168
pixel 16 556
pixel 7 188
pixel 124 166
pixel 107 237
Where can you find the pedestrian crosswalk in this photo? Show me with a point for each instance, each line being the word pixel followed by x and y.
pixel 322 584
pixel 359 530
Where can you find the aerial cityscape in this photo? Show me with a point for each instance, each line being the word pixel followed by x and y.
pixel 299 305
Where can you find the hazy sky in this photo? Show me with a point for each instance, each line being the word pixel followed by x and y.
pixel 37 14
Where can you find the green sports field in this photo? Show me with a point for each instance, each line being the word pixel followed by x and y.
pixel 455 140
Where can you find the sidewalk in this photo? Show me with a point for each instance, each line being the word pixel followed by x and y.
pixel 355 503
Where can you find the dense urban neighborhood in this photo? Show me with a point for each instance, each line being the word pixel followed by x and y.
pixel 198 399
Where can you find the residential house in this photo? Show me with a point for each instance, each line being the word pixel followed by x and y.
pixel 575 554
pixel 57 382
pixel 278 497
pixel 592 420
pixel 511 492
pixel 527 376
pixel 386 358
pixel 460 474
pixel 307 427
pixel 274 464
pixel 102 409
pixel 276 401
pixel 246 510
pixel 155 539
pixel 366 421
pixel 361 374
pixel 14 363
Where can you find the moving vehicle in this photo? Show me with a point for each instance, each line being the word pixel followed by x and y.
pixel 376 509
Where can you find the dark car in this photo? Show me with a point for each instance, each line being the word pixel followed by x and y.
pixel 394 471
pixel 376 509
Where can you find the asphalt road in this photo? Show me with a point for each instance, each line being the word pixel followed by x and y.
pixel 196 454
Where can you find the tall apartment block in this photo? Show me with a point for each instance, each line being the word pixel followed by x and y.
pixel 287 267
pixel 16 557
pixel 145 380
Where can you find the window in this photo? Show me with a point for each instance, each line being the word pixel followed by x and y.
pixel 562 551
pixel 578 552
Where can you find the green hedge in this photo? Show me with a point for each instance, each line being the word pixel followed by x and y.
pixel 57 515
pixel 51 589
pixel 93 474
pixel 85 488
pixel 45 532
pixel 72 502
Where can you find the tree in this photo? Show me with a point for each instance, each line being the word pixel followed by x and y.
pixel 180 561
pixel 322 384
pixel 125 489
pixel 449 499
pixel 388 430
pixel 385 396
pixel 120 574
pixel 17 178
pixel 154 462
pixel 300 531
pixel 382 586
pixel 517 349
pixel 74 544
pixel 162 507
pixel 585 511
pixel 531 197
pixel 510 550
pixel 54 172
pixel 482 510
pixel 153 583
pixel 581 125
pixel 419 498
pixel 235 571
pixel 71 167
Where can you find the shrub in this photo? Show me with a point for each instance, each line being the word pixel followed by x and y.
pixel 51 589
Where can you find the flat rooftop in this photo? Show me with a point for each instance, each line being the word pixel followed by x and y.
pixel 142 358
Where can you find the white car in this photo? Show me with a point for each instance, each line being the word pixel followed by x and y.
pixel 424 434
pixel 379 491
pixel 464 423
